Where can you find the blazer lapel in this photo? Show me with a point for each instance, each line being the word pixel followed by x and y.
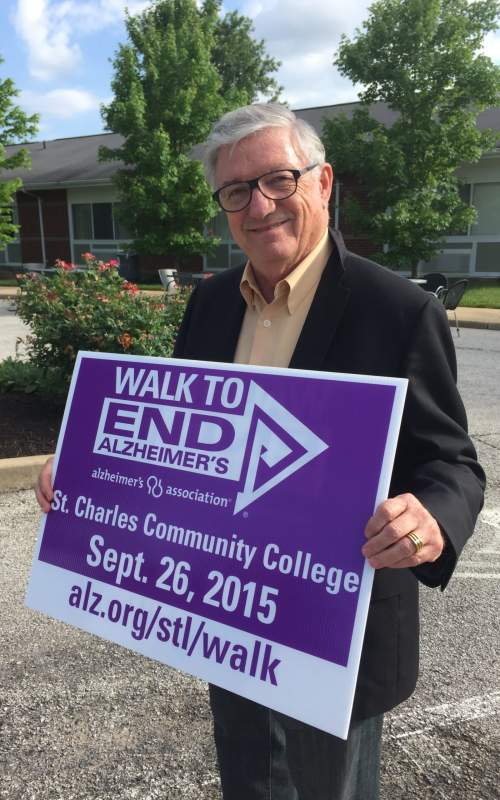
pixel 325 313
pixel 223 337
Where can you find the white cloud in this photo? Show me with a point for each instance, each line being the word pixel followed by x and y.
pixel 311 80
pixel 50 30
pixel 491 47
pixel 250 9
pixel 94 15
pixel 50 51
pixel 304 35
pixel 59 103
pixel 307 25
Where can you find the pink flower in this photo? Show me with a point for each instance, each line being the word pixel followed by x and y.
pixel 131 288
pixel 65 265
pixel 88 257
pixel 113 262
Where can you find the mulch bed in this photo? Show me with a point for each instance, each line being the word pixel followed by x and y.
pixel 29 425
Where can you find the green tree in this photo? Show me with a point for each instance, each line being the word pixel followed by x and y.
pixel 423 58
pixel 167 92
pixel 243 64
pixel 15 126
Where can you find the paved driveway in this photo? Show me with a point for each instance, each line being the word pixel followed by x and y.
pixel 11 328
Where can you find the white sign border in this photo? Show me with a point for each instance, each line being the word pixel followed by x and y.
pixel 320 708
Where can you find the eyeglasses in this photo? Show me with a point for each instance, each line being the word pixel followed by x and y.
pixel 275 185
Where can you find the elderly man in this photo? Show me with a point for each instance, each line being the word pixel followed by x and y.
pixel 304 301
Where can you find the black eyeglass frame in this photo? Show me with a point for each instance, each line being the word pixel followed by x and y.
pixel 254 184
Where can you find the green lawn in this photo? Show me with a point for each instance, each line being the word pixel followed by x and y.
pixel 482 297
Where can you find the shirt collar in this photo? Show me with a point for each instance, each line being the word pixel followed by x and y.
pixel 296 286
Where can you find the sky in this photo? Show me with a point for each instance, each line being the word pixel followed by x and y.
pixel 58 53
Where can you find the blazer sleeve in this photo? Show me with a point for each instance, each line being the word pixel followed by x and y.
pixel 436 459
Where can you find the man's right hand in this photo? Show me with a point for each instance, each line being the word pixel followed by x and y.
pixel 43 489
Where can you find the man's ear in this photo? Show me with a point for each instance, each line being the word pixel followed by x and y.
pixel 326 181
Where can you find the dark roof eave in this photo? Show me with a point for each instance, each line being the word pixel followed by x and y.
pixel 66 184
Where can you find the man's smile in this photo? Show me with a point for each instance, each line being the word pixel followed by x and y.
pixel 271 226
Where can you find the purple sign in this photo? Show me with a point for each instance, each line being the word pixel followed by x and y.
pixel 212 517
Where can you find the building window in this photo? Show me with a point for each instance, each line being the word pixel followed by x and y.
pixel 102 217
pixel 488 257
pixel 486 200
pixel 82 221
pixel 475 251
pixel 97 221
pixel 97 230
pixel 446 261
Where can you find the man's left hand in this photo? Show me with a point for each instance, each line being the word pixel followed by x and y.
pixel 387 532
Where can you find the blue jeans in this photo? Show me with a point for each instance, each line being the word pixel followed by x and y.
pixel 265 755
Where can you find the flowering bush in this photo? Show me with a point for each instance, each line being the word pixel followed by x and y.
pixel 92 309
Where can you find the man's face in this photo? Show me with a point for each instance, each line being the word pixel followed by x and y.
pixel 276 235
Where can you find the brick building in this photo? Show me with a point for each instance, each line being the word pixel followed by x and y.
pixel 68 202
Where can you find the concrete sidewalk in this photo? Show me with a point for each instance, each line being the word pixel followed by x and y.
pixel 477 318
pixel 20 473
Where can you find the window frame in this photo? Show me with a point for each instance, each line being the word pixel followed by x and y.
pixel 100 247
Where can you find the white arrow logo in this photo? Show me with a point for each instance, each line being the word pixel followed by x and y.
pixel 278 448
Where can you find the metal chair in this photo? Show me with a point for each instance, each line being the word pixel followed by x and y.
pixel 452 299
pixel 168 278
pixel 435 281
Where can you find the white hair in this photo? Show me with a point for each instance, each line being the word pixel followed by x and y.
pixel 244 121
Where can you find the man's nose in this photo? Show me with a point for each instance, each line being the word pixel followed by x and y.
pixel 260 205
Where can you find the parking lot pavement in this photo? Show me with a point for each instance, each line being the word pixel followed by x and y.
pixel 444 742
pixel 11 328
pixel 83 719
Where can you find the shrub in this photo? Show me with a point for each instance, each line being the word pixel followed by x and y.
pixel 26 378
pixel 92 309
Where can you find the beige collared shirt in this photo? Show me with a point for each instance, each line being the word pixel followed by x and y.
pixel 270 331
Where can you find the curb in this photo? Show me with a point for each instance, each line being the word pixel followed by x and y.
pixel 20 473
pixel 475 323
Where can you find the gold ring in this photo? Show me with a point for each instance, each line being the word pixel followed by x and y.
pixel 416 540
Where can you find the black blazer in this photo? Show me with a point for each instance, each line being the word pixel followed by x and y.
pixel 365 319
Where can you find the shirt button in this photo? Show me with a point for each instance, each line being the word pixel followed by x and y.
pixel 267 323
